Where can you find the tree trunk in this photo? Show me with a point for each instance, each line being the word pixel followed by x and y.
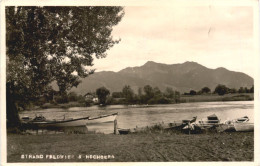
pixel 12 115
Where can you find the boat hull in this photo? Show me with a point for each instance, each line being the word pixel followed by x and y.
pixel 58 123
pixel 244 126
pixel 225 127
pixel 101 124
pixel 102 119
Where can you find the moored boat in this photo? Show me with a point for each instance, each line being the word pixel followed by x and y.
pixel 102 119
pixel 102 124
pixel 42 122
pixel 246 126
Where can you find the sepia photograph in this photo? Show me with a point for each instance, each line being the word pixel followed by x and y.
pixel 154 82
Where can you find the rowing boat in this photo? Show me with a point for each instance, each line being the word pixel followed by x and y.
pixel 102 124
pixel 42 122
pixel 102 119
pixel 209 122
pixel 246 126
pixel 229 124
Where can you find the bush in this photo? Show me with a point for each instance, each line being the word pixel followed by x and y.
pixel 62 99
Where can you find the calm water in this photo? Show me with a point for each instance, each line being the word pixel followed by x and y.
pixel 132 116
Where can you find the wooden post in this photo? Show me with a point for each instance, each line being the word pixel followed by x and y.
pixel 115 126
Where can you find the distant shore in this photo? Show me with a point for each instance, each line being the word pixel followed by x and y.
pixel 136 147
pixel 215 97
pixel 183 99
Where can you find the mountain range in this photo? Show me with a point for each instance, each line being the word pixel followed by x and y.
pixel 181 77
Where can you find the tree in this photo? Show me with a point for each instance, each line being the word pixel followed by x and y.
pixel 102 94
pixel 193 92
pixel 251 89
pixel 232 90
pixel 169 93
pixel 221 89
pixel 128 93
pixel 72 96
pixel 205 90
pixel 148 90
pixel 117 95
pixel 241 90
pixel 46 44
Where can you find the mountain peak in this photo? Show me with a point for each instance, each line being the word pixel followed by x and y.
pixel 150 63
pixel 221 68
pixel 191 63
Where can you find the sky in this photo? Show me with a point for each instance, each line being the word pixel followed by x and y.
pixel 213 36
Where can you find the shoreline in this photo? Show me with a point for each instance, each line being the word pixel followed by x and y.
pixel 136 147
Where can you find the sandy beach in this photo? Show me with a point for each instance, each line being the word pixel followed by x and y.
pixel 136 147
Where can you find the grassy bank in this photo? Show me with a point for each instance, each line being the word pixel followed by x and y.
pixel 165 146
pixel 216 97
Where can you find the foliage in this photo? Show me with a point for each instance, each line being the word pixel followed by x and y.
pixel 252 89
pixel 62 98
pixel 128 93
pixel 205 90
pixel 102 94
pixel 117 94
pixel 193 92
pixel 46 44
pixel 72 96
pixel 221 89
pixel 150 96
pixel 232 90
pixel 169 93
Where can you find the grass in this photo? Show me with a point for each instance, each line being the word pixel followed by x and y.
pixel 65 105
pixel 216 97
pixel 136 147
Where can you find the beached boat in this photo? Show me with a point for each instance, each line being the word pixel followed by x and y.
pixel 189 124
pixel 102 119
pixel 210 121
pixel 42 122
pixel 229 124
pixel 123 131
pixel 246 126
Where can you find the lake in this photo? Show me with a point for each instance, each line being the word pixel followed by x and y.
pixel 145 115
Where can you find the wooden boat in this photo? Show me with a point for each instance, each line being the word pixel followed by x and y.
pixel 102 119
pixel 102 124
pixel 42 122
pixel 246 126
pixel 242 120
pixel 210 121
pixel 229 124
pixel 189 124
pixel 123 131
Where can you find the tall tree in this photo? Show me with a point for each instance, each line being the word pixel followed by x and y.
pixel 149 93
pixel 169 93
pixel 102 94
pixel 205 90
pixel 46 44
pixel 128 93
pixel 221 89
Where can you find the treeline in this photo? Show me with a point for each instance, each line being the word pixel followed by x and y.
pixel 221 90
pixel 55 97
pixel 145 95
